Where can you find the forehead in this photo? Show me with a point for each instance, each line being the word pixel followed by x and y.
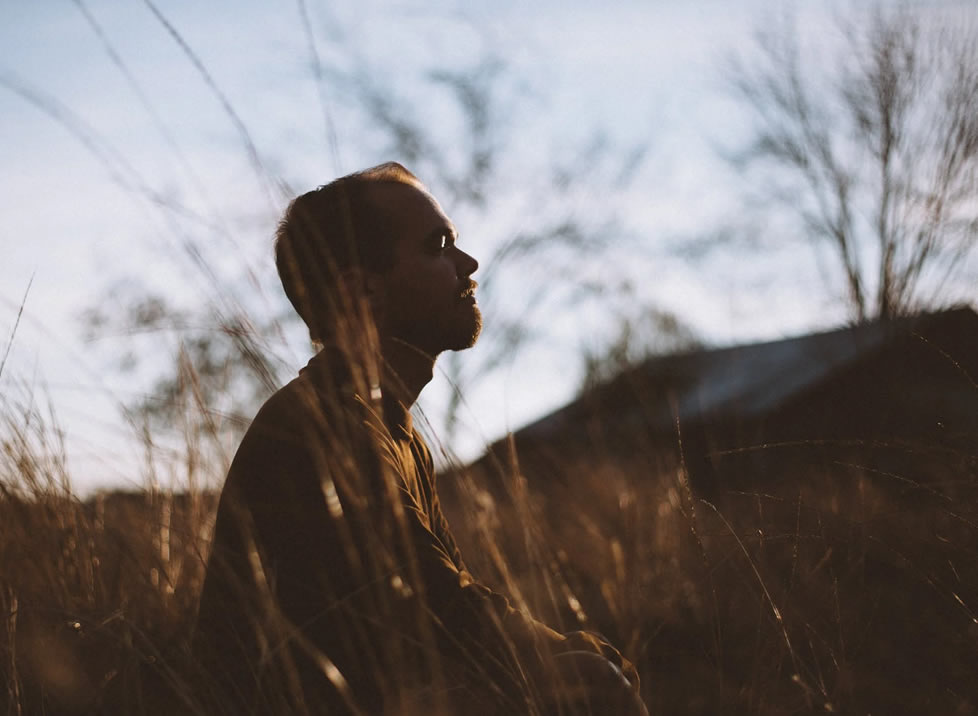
pixel 414 211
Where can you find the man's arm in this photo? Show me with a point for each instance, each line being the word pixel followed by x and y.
pixel 558 643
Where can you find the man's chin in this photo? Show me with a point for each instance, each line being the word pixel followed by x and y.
pixel 466 344
pixel 468 338
pixel 460 339
pixel 454 334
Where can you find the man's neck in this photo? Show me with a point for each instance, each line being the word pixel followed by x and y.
pixel 407 370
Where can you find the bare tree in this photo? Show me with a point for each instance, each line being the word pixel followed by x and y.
pixel 870 141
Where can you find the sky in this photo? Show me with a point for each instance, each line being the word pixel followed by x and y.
pixel 117 153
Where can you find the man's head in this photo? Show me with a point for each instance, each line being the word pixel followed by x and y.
pixel 378 235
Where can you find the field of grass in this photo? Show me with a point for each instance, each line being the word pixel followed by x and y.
pixel 816 590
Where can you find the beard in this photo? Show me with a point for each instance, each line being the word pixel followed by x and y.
pixel 467 333
pixel 456 331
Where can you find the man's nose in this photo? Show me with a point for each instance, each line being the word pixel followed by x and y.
pixel 465 265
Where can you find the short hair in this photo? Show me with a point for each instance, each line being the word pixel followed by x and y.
pixel 330 230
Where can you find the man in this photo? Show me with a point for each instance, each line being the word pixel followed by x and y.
pixel 334 584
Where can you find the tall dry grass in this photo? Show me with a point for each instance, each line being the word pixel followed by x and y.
pixel 820 589
pixel 98 593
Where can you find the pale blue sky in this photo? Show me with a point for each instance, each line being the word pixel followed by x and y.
pixel 78 205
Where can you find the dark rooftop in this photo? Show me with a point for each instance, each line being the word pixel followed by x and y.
pixel 750 381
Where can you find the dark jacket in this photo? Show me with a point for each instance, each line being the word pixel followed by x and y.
pixel 334 584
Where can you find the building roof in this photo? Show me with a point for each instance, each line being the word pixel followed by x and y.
pixel 750 381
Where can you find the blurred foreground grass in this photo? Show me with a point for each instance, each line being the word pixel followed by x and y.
pixel 819 589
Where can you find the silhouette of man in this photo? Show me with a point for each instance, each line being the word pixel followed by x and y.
pixel 334 584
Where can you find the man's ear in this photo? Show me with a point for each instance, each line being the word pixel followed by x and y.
pixel 359 285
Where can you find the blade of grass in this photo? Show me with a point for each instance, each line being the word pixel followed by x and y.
pixel 13 332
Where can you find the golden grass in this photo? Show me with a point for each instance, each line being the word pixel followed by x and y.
pixel 841 589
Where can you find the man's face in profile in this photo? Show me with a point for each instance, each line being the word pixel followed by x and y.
pixel 429 300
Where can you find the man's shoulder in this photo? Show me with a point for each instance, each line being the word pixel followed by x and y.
pixel 303 422
pixel 293 406
pixel 320 399
pixel 278 425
